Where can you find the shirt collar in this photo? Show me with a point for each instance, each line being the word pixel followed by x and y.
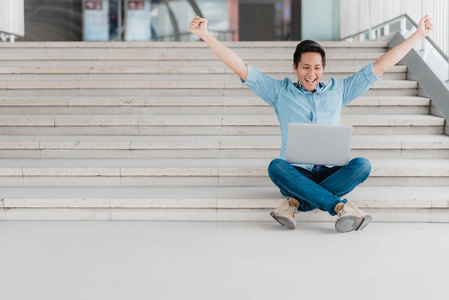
pixel 318 88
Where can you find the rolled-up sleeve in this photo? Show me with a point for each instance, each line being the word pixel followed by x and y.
pixel 357 84
pixel 262 85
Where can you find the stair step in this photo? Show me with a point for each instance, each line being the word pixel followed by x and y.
pixel 193 101
pixel 193 105
pixel 204 124
pixel 14 85
pixel 197 172
pixel 207 120
pixel 207 142
pixel 177 51
pixel 168 74
pixel 229 167
pixel 384 204
pixel 170 77
pixel 163 88
pixel 164 55
pixel 263 146
pixel 177 45
pixel 210 197
pixel 172 71
pixel 388 215
pixel 287 63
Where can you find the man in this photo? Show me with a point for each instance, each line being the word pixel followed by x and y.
pixel 311 101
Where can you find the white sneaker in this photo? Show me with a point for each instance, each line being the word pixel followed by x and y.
pixel 351 218
pixel 285 213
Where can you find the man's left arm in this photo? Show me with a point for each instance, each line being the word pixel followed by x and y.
pixel 394 55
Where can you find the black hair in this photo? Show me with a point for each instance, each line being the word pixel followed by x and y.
pixel 308 46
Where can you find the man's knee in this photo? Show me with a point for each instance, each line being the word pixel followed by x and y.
pixel 363 165
pixel 275 167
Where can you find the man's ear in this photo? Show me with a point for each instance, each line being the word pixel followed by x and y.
pixel 295 68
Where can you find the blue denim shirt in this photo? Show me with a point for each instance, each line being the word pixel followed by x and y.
pixel 294 104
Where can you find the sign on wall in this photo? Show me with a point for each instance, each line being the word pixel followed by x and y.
pixel 137 20
pixel 96 20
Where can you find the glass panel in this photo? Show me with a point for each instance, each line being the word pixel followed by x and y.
pixel 217 15
pixel 168 20
pixel 161 26
pixel 183 13
pixel 96 20
pixel 138 25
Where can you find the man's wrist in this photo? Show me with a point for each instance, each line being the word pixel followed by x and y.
pixel 419 34
pixel 206 36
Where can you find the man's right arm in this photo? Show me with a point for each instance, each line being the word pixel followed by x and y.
pixel 198 26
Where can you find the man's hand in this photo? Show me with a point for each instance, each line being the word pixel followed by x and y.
pixel 198 26
pixel 393 56
pixel 425 26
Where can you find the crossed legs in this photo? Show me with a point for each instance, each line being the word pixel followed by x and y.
pixel 321 187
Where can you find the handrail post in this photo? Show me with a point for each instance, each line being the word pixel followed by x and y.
pixel 370 29
pixel 424 47
pixel 387 29
pixel 447 45
pixel 403 24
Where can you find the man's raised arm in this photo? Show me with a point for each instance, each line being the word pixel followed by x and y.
pixel 393 56
pixel 198 27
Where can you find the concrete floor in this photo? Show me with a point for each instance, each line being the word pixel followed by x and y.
pixel 47 260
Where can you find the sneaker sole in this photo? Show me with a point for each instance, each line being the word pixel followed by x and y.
pixel 283 220
pixel 366 220
pixel 348 223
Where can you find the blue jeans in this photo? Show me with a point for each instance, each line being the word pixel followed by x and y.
pixel 321 187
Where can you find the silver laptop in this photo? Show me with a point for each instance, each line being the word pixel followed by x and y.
pixel 318 144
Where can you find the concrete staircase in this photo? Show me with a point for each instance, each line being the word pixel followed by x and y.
pixel 164 131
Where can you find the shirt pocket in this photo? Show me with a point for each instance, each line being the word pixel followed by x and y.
pixel 331 101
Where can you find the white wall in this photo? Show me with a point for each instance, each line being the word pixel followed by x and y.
pixel 320 20
pixel 357 15
pixel 12 17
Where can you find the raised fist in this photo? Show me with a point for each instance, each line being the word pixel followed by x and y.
pixel 198 26
pixel 425 26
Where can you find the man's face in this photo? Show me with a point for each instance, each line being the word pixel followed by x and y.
pixel 309 70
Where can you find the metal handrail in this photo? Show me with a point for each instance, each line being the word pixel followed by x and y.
pixel 375 27
pixel 394 20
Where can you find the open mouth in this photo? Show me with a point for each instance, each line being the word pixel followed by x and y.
pixel 311 81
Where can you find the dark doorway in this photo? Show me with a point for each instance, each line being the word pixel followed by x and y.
pixel 269 20
pixel 256 22
pixel 295 25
